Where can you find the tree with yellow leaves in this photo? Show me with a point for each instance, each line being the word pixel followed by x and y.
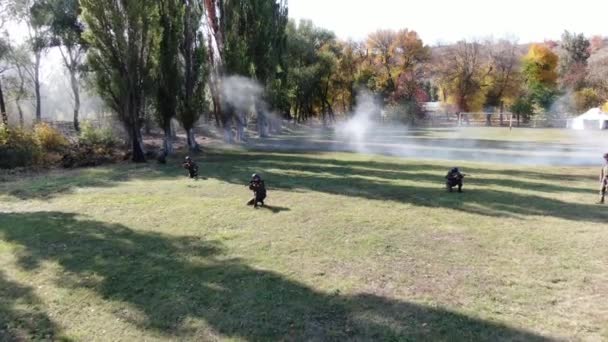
pixel 394 54
pixel 540 74
pixel 463 73
pixel 505 78
pixel 540 66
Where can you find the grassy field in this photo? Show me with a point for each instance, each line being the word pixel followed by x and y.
pixel 351 246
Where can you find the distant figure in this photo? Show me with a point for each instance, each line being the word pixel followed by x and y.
pixel 454 178
pixel 162 158
pixel 604 180
pixel 256 184
pixel 192 168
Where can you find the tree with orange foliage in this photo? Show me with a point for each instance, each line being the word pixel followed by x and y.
pixel 540 74
pixel 396 53
pixel 463 70
pixel 540 66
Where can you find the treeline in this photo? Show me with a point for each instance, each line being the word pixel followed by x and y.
pixel 169 59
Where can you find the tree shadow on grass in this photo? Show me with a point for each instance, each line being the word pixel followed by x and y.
pixel 419 172
pixel 369 179
pixel 376 181
pixel 21 318
pixel 174 282
pixel 62 182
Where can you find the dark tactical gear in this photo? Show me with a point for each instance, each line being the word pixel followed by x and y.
pixel 192 168
pixel 454 178
pixel 259 191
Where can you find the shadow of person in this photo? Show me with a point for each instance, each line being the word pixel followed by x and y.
pixel 274 209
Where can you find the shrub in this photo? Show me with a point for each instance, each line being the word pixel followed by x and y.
pixel 4 136
pixel 50 139
pixel 18 148
pixel 586 98
pixel 92 136
pixel 95 146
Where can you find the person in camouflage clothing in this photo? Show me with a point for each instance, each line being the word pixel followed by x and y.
pixel 604 180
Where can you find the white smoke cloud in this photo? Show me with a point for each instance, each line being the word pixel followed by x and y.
pixel 363 122
pixel 242 93
pixel 246 97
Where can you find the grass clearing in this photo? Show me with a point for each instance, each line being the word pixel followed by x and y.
pixel 352 246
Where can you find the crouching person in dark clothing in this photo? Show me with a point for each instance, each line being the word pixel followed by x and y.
pixel 192 168
pixel 454 179
pixel 259 191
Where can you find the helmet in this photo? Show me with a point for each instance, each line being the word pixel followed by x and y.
pixel 255 176
pixel 188 158
pixel 454 170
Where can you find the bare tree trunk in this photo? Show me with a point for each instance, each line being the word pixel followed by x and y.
pixel 144 114
pixel 3 108
pixel 262 124
pixel 240 128
pixel 227 117
pixel 37 88
pixel 76 91
pixel 217 108
pixel 173 130
pixel 140 138
pixel 502 108
pixel 20 111
pixel 137 145
pixel 20 92
pixel 193 146
pixel 168 140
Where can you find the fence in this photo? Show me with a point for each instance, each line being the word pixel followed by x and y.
pixel 493 120
pixel 67 127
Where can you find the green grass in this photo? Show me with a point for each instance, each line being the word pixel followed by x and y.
pixel 351 246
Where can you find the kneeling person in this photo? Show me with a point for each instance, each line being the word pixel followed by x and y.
pixel 454 178
pixel 192 168
pixel 604 180
pixel 256 184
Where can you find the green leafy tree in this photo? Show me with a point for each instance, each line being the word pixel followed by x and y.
pixel 540 75
pixel 123 39
pixel 194 71
pixel 168 80
pixel 66 33
pixel 4 49
pixel 250 39
pixel 574 51
pixel 311 61
pixel 19 82
pixel 346 75
pixel 523 107
pixel 36 19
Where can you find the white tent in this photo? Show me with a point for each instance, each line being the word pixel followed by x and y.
pixel 594 118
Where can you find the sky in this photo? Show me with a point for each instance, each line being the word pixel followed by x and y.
pixel 446 21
